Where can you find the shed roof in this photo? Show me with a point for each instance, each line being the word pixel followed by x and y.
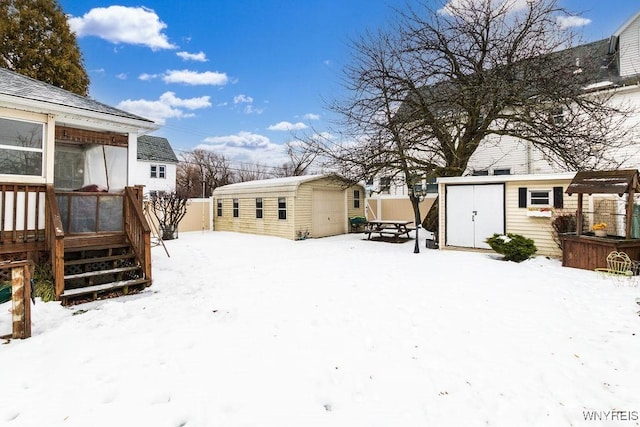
pixel 155 148
pixel 287 184
pixel 22 87
pixel 604 182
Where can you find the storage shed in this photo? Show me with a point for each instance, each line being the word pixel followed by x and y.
pixel 294 207
pixel 472 208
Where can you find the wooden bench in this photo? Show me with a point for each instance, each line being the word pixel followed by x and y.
pixel 358 223
pixel 391 228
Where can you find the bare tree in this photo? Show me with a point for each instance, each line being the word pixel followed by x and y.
pixel 169 209
pixel 203 166
pixel 301 157
pixel 423 95
pixel 251 172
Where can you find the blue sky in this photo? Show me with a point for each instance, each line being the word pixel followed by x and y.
pixel 239 75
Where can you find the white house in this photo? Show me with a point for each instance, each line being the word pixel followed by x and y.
pixel 156 165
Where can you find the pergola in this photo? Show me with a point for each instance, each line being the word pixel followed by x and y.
pixel 588 252
pixel 618 182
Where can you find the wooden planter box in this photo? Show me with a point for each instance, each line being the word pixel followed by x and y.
pixel 590 252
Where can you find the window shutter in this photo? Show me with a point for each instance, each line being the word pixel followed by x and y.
pixel 522 197
pixel 558 197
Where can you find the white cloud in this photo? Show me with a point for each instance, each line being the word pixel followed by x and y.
pixel 193 78
pixel 248 108
pixel 146 77
pixel 238 99
pixel 120 24
pixel 458 6
pixel 247 147
pixel 199 57
pixel 572 21
pixel 287 126
pixel 122 76
pixel 311 116
pixel 166 107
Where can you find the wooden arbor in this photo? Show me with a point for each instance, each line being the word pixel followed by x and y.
pixel 605 182
pixel 589 252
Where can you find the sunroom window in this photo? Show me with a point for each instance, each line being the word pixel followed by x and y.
pixel 21 147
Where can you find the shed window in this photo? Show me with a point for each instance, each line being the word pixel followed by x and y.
pixel 21 147
pixel 432 186
pixel 356 199
pixel 219 207
pixel 236 208
pixel 282 208
pixel 540 198
pixel 259 207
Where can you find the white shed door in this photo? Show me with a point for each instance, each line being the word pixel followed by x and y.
pixel 329 217
pixel 474 213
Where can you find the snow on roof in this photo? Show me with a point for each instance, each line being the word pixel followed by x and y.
pixel 287 184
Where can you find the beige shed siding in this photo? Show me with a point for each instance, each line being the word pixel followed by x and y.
pixel 304 202
pixel 630 49
pixel 247 221
pixel 299 208
pixel 516 219
pixel 538 229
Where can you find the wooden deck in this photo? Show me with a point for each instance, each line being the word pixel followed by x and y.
pixel 99 244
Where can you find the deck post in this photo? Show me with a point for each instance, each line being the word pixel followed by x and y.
pixel 20 297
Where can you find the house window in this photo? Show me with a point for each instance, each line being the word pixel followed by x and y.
pixel 356 199
pixel 259 207
pixel 540 198
pixel 21 147
pixel 432 187
pixel 557 116
pixel 236 208
pixel 158 171
pixel 502 171
pixel 282 208
pixel 68 170
pixel 480 173
pixel 219 207
pixel 385 184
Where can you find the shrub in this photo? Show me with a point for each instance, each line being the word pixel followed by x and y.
pixel 563 224
pixel 514 247
pixel 43 286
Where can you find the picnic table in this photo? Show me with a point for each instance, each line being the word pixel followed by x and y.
pixel 388 227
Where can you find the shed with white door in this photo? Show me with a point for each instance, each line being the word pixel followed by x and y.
pixel 473 208
pixel 293 207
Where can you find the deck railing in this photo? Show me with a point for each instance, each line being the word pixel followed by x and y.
pixel 21 213
pixel 90 212
pixel 54 242
pixel 136 228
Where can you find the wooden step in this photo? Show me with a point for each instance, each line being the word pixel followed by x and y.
pixel 103 287
pixel 101 272
pixel 100 259
pixel 92 241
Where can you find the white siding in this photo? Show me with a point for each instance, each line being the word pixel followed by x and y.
pixel 630 49
pixel 142 173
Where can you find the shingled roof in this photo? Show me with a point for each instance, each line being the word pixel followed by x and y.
pixel 19 86
pixel 155 149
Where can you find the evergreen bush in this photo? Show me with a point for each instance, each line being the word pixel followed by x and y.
pixel 514 247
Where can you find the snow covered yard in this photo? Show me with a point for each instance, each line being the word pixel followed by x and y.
pixel 241 330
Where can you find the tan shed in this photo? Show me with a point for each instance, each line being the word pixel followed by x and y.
pixel 472 208
pixel 294 207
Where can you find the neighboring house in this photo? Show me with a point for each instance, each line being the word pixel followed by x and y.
pixel 52 144
pixel 156 166
pixel 473 208
pixel 294 207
